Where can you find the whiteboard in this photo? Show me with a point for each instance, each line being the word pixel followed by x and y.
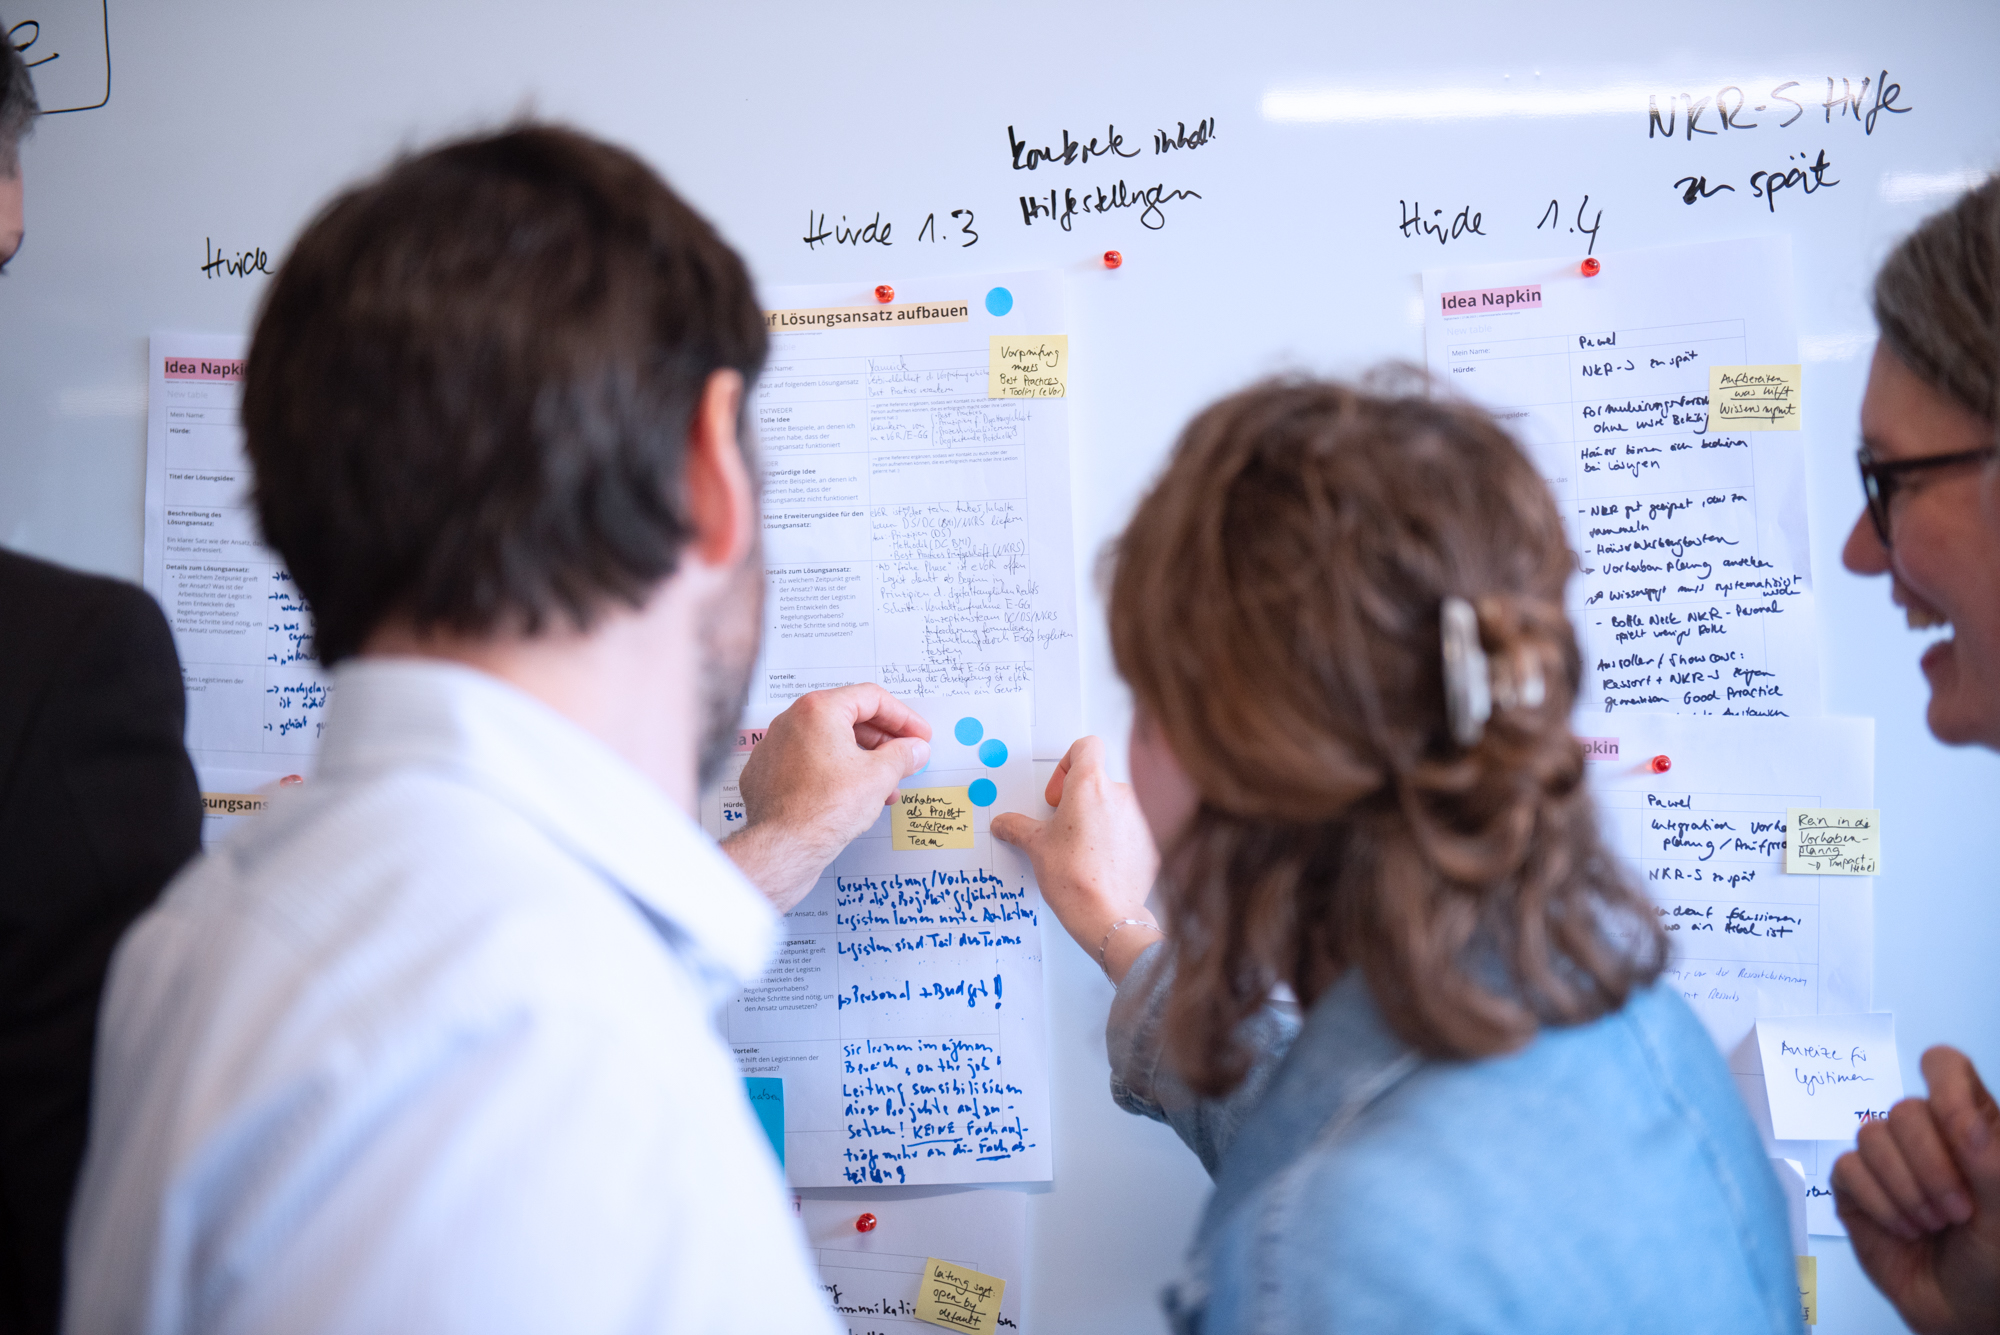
pixel 224 125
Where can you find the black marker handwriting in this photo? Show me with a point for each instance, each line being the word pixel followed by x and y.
pixel 1797 174
pixel 216 263
pixel 1204 130
pixel 1729 107
pixel 874 232
pixel 1552 218
pixel 1464 223
pixel 1062 208
pixel 929 229
pixel 1072 152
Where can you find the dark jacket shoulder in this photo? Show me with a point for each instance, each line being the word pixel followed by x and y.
pixel 54 616
pixel 96 791
pixel 98 809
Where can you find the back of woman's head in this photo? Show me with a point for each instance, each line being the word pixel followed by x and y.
pixel 1937 301
pixel 1276 608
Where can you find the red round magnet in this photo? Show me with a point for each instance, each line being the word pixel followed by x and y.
pixel 866 1224
pixel 1591 267
pixel 885 293
pixel 1112 259
pixel 1659 764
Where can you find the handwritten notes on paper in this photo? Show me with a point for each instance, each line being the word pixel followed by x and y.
pixel 930 818
pixel 1028 368
pixel 1694 591
pixel 1808 1289
pixel 1706 840
pixel 873 1280
pixel 1827 1074
pixel 1753 398
pixel 904 1008
pixel 1830 841
pixel 256 700
pixel 959 1299
pixel 917 532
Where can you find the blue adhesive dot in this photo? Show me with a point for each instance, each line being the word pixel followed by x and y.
pixel 993 753
pixel 968 731
pixel 999 301
pixel 982 792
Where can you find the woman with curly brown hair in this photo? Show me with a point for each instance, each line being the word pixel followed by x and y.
pixel 1341 616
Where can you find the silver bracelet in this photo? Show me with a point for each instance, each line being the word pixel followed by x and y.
pixel 1105 944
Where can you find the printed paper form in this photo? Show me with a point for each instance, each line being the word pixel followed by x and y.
pixel 871 1279
pixel 255 696
pixel 904 1008
pixel 917 532
pixel 1695 594
pixel 1706 840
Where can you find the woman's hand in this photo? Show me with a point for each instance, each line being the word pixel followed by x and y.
pixel 1920 1196
pixel 1095 860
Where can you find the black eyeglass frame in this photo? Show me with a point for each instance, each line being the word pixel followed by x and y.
pixel 1880 478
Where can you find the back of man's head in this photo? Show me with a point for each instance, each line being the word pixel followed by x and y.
pixel 470 389
pixel 17 104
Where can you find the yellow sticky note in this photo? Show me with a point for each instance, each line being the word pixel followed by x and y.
pixel 1833 841
pixel 930 818
pixel 1019 367
pixel 1809 1288
pixel 1753 398
pixel 959 1299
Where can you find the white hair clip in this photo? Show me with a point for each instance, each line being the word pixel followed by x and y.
pixel 1471 686
pixel 1468 688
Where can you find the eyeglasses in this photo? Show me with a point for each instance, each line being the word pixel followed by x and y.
pixel 1880 480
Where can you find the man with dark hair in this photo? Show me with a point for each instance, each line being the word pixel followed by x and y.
pixel 430 1044
pixel 98 808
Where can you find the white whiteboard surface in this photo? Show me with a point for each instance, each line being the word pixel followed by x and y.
pixel 228 123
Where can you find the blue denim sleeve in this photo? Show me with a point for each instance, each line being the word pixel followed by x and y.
pixel 1144 1082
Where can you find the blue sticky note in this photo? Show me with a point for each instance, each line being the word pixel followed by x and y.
pixel 767 1097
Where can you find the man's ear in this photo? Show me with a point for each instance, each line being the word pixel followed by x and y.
pixel 721 497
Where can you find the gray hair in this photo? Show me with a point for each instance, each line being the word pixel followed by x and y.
pixel 17 103
pixel 1937 301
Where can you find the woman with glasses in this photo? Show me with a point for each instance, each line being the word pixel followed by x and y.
pixel 1927 427
pixel 1920 1195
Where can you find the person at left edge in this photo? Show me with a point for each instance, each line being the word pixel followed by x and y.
pixel 430 1043
pixel 98 809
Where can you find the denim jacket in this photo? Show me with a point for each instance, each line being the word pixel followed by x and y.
pixel 1605 1177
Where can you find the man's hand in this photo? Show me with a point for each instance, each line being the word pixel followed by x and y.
pixel 1920 1195
pixel 824 771
pixel 1095 861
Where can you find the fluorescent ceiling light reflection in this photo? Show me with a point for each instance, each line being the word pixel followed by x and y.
pixel 1454 103
pixel 1924 187
pixel 1833 347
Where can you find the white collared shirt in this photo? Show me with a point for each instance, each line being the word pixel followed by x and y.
pixel 429 1045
